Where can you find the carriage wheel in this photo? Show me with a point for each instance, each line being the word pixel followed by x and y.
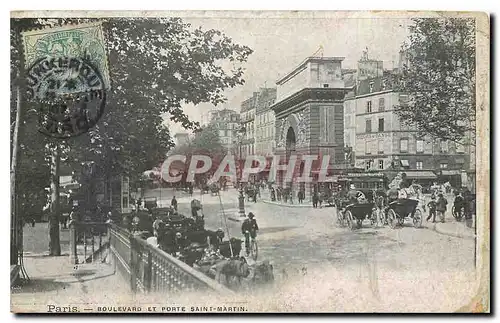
pixel 453 212
pixel 392 218
pixel 340 218
pixel 255 250
pixel 373 218
pixel 417 218
pixel 350 220
pixel 457 214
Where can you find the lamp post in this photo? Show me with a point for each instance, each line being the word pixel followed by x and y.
pixel 241 197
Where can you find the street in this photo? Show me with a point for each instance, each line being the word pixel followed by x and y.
pixel 302 242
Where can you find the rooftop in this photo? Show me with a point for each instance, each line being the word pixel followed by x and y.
pixel 303 65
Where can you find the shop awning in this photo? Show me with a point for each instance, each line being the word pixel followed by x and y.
pixel 405 163
pixel 450 172
pixel 426 174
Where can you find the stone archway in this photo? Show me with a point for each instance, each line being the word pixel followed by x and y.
pixel 291 141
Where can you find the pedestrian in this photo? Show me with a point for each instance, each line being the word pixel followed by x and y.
pixel 33 222
pixel 300 196
pixel 191 190
pixel 432 209
pixel 441 206
pixel 315 199
pixel 174 203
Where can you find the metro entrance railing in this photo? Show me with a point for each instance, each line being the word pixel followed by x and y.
pixel 150 269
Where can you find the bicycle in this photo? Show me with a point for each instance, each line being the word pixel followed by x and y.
pixel 254 249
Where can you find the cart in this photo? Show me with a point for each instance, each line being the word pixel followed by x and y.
pixel 399 210
pixel 355 214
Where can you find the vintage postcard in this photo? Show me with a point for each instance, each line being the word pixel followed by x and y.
pixel 250 162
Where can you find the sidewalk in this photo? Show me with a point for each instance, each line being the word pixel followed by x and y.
pixel 452 228
pixel 36 242
pixel 55 282
pixel 305 204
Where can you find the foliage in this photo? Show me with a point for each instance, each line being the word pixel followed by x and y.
pixel 205 142
pixel 439 79
pixel 156 66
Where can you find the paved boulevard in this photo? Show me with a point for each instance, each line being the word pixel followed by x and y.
pixel 303 243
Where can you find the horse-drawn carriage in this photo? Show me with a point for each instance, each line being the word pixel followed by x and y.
pixel 251 192
pixel 353 214
pixel 214 189
pixel 397 211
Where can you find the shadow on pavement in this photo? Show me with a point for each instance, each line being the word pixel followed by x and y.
pixel 39 286
pixel 275 229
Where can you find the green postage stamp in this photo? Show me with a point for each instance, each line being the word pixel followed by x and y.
pixel 74 41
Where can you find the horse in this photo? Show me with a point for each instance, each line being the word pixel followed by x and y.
pixel 262 273
pixel 231 269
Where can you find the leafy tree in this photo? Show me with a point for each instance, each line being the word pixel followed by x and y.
pixel 206 142
pixel 156 66
pixel 439 78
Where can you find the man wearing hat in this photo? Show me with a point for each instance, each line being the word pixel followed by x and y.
pixel 352 195
pixel 249 229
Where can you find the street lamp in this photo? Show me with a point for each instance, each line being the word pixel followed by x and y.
pixel 241 198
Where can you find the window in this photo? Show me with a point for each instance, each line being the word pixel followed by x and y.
pixel 404 145
pixel 368 106
pixel 444 146
pixel 460 148
pixel 381 104
pixel 381 125
pixel 380 164
pixel 420 146
pixel 443 165
pixel 371 87
pixel 405 163
pixel 326 85
pixel 367 147
pixel 381 146
pixel 368 164
pixel 419 165
pixel 368 126
pixel 384 84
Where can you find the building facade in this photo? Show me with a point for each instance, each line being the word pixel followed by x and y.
pixel 247 122
pixel 309 114
pixel 265 123
pixel 381 142
pixel 227 122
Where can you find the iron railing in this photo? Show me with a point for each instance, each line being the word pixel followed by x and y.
pixel 87 241
pixel 150 269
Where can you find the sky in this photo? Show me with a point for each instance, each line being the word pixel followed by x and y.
pixel 280 44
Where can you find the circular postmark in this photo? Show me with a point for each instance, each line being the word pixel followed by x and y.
pixel 70 93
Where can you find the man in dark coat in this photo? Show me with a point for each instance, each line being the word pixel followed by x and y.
pixel 174 203
pixel 441 206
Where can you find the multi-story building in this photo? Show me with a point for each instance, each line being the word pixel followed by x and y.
pixel 247 122
pixel 228 123
pixel 309 113
pixel 265 122
pixel 207 117
pixel 382 142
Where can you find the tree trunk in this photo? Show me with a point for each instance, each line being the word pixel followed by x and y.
pixel 16 224
pixel 54 242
